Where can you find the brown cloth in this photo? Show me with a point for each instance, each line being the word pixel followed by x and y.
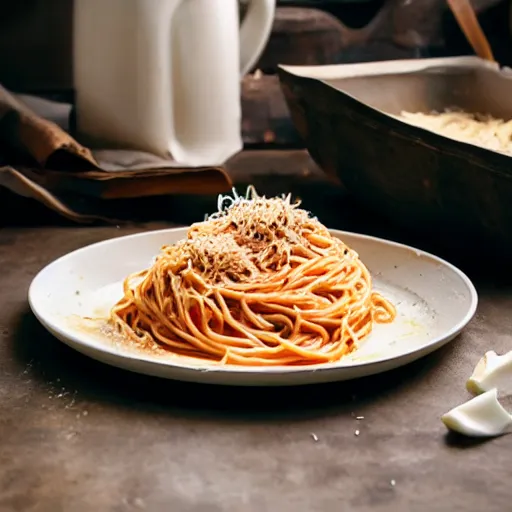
pixel 41 160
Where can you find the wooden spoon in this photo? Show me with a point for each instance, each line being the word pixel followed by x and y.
pixel 468 22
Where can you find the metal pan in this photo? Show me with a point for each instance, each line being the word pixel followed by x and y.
pixel 415 177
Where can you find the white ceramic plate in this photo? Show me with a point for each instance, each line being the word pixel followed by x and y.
pixel 434 302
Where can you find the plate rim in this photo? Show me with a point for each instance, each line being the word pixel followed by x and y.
pixel 433 344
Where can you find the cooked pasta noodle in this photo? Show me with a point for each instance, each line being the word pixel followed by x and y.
pixel 477 129
pixel 258 283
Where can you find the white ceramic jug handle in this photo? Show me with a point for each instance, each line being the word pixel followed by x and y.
pixel 255 31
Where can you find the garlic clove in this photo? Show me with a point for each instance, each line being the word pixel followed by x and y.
pixel 482 416
pixel 492 371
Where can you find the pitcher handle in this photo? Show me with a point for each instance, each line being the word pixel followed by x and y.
pixel 255 31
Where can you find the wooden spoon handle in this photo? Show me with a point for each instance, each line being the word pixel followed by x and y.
pixel 468 22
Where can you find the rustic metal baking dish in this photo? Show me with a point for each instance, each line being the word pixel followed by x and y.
pixel 413 176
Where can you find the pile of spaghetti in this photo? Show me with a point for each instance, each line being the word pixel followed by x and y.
pixel 258 283
pixel 478 129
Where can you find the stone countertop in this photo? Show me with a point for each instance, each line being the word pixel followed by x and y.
pixel 76 435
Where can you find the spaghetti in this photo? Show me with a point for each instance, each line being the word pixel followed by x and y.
pixel 478 129
pixel 258 283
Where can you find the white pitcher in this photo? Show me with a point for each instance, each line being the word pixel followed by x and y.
pixel 163 76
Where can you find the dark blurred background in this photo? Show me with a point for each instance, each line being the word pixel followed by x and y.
pixel 36 53
pixel 36 47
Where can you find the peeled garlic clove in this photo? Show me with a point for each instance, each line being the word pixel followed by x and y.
pixel 492 371
pixel 482 416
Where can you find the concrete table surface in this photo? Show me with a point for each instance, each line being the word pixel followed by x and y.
pixel 76 435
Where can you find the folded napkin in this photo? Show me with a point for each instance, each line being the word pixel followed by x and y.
pixel 41 160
